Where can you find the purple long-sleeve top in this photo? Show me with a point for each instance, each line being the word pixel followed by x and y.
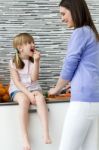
pixel 81 65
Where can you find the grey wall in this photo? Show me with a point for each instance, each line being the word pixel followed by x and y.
pixel 41 19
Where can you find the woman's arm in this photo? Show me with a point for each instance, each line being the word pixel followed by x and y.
pixel 60 84
pixel 71 61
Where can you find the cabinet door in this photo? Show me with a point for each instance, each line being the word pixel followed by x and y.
pixel 10 135
pixel 56 115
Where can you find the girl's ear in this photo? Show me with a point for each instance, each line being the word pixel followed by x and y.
pixel 20 48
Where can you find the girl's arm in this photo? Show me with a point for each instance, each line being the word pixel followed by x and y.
pixel 36 66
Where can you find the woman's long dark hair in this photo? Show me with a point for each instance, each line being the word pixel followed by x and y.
pixel 80 14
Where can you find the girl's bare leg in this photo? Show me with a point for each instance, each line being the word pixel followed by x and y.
pixel 43 114
pixel 24 103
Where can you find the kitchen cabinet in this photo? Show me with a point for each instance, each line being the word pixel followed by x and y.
pixel 10 135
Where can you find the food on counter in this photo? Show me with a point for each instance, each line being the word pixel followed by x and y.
pixel 45 94
pixel 4 95
pixel 66 89
pixel 2 91
pixel 60 96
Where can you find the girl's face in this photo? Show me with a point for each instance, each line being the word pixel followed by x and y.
pixel 27 50
pixel 66 17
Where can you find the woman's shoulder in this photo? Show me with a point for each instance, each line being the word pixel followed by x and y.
pixel 82 30
pixel 84 33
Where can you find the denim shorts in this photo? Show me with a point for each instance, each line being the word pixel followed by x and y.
pixel 15 92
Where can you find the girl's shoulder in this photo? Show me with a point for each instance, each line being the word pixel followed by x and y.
pixel 12 64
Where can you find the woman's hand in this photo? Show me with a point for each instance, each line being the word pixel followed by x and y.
pixel 52 91
pixel 60 84
pixel 36 56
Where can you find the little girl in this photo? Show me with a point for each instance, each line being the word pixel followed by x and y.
pixel 24 87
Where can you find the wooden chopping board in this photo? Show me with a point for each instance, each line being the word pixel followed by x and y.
pixel 61 97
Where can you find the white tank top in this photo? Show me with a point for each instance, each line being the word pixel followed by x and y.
pixel 25 77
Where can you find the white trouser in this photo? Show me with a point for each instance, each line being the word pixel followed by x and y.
pixel 78 125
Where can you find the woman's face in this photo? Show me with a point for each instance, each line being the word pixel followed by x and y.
pixel 66 17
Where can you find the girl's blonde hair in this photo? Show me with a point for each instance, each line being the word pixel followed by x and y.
pixel 19 40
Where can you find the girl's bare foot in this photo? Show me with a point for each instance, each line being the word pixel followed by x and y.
pixel 27 146
pixel 47 140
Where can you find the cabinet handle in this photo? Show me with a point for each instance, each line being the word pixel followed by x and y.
pixel 33 110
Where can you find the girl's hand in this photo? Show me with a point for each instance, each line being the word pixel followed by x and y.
pixel 36 56
pixel 52 91
pixel 32 98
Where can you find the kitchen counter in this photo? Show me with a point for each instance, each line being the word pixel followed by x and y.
pixel 10 135
pixel 50 100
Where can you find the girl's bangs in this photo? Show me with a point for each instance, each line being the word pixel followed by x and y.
pixel 26 39
pixel 21 39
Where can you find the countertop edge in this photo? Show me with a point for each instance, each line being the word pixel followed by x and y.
pixel 48 102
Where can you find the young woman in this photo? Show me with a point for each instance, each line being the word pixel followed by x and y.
pixel 81 68
pixel 24 86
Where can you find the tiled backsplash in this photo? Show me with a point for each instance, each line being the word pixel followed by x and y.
pixel 41 19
